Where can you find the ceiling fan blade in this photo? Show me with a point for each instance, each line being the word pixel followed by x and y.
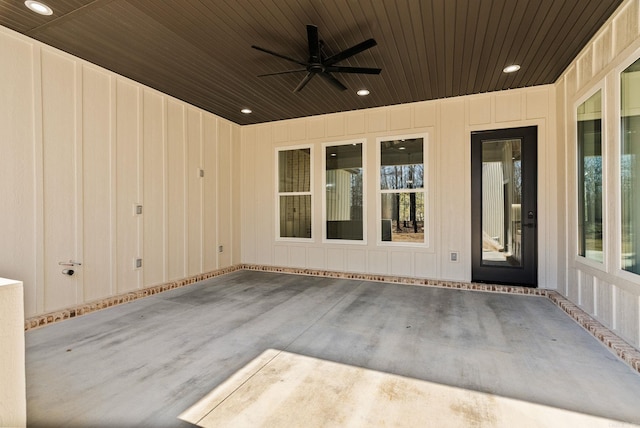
pixel 335 82
pixel 279 55
pixel 304 82
pixel 360 70
pixel 314 43
pixel 350 52
pixel 281 72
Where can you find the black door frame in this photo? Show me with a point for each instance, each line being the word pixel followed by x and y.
pixel 527 273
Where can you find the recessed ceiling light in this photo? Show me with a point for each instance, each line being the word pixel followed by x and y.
pixel 38 7
pixel 246 111
pixel 511 68
pixel 363 92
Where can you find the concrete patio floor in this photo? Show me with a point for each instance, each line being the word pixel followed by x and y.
pixel 267 349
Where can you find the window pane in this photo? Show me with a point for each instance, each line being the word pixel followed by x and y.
pixel 295 216
pixel 590 178
pixel 630 167
pixel 403 217
pixel 294 170
pixel 344 192
pixel 402 164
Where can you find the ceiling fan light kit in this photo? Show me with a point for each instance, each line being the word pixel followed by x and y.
pixel 318 64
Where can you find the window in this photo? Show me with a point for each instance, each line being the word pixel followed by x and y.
pixel 402 192
pixel 344 192
pixel 630 167
pixel 590 178
pixel 294 193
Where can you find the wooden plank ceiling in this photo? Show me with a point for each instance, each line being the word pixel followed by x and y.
pixel 200 50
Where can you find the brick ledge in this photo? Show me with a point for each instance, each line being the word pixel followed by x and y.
pixel 626 352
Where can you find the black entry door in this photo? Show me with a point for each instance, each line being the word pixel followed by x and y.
pixel 504 206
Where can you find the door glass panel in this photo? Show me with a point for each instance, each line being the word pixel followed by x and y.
pixel 501 201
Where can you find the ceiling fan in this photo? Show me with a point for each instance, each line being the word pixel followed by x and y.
pixel 321 65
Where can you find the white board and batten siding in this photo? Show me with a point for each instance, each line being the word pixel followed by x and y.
pixel 81 148
pixel 601 289
pixel 447 125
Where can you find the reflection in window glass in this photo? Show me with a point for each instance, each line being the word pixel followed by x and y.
pixel 294 190
pixel 403 217
pixel 344 197
pixel 630 167
pixel 402 190
pixel 590 178
pixel 295 170
pixel 502 202
pixel 295 216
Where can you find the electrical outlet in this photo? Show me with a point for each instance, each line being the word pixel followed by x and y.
pixel 138 263
pixel 220 248
pixel 138 209
pixel 454 256
pixel 201 172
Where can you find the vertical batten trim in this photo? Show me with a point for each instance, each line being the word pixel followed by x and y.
pixel 113 101
pixel 595 300
pixel 201 187
pixel 637 344
pixel 39 176
pixel 614 308
pixel 544 255
pixel 140 183
pixel 165 191
pixel 566 217
pixel 581 281
pixel 79 182
pixel 232 194
pixel 230 200
pixel 185 189
pixel 438 197
pixel 217 187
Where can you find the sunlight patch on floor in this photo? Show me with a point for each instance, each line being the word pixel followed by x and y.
pixel 282 389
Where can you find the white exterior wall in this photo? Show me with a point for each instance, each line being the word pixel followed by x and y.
pixel 13 397
pixel 448 124
pixel 602 289
pixel 80 148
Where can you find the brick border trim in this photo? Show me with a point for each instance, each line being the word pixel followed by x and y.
pixel 96 305
pixel 623 350
pixel 626 352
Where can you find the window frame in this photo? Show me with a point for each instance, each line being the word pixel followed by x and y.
pixel 326 240
pixel 578 182
pixel 617 139
pixel 278 193
pixel 424 190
